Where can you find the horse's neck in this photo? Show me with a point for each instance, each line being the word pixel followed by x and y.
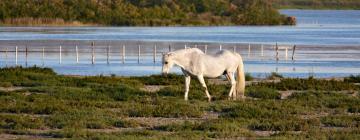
pixel 183 58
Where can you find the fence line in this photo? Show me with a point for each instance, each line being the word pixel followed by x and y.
pixel 142 50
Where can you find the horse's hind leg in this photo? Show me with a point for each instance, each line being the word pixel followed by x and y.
pixel 187 85
pixel 202 82
pixel 231 77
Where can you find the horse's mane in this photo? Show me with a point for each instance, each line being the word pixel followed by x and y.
pixel 189 50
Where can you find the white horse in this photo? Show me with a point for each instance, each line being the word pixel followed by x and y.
pixel 194 62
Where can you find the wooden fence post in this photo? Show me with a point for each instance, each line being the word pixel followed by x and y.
pixel 139 51
pixel 154 55
pixel 205 49
pixel 286 53
pixel 123 54
pixel 26 56
pixel 77 54
pixel 93 53
pixel 6 56
pixel 249 50
pixel 169 48
pixel 16 55
pixel 59 54
pixel 108 54
pixel 43 56
pixel 234 48
pixel 277 51
pixel 293 54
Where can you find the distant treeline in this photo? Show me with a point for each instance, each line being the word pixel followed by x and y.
pixel 142 12
pixel 318 4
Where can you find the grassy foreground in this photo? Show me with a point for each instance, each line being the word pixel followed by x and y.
pixel 37 103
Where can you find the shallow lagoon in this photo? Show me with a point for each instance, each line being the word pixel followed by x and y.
pixel 328 45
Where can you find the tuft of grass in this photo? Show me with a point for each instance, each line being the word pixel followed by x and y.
pixel 248 77
pixel 309 84
pixel 289 124
pixel 341 121
pixel 352 79
pixel 126 123
pixel 274 76
pixel 19 122
pixel 6 84
pixel 263 93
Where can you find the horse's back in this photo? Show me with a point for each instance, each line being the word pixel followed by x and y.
pixel 225 54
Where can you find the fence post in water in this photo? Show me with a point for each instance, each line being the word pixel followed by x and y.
pixel 286 53
pixel 205 49
pixel 93 53
pixel 77 54
pixel 43 56
pixel 262 50
pixel 108 54
pixel 16 55
pixel 169 48
pixel 249 50
pixel 123 54
pixel 6 56
pixel 277 51
pixel 154 55
pixel 139 49
pixel 60 55
pixel 26 56
pixel 293 54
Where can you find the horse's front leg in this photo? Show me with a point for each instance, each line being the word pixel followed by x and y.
pixel 231 78
pixel 187 86
pixel 202 82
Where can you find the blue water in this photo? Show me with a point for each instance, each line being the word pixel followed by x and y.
pixel 326 35
pixel 315 27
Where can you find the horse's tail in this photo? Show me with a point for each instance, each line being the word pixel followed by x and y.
pixel 240 80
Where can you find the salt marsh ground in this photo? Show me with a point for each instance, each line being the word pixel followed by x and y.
pixel 36 103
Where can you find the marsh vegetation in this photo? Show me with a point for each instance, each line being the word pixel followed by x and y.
pixel 38 103
pixel 140 12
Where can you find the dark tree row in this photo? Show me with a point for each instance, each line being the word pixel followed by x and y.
pixel 147 12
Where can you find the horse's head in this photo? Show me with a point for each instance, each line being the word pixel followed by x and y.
pixel 168 62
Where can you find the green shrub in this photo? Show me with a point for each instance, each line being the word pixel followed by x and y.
pixel 289 124
pixel 5 84
pixel 21 122
pixel 341 121
pixel 274 76
pixel 165 108
pixel 263 93
pixel 309 84
pixel 126 123
pixel 352 79
pixel 248 77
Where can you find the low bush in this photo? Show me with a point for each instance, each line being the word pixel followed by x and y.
pixel 262 93
pixel 352 79
pixel 341 121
